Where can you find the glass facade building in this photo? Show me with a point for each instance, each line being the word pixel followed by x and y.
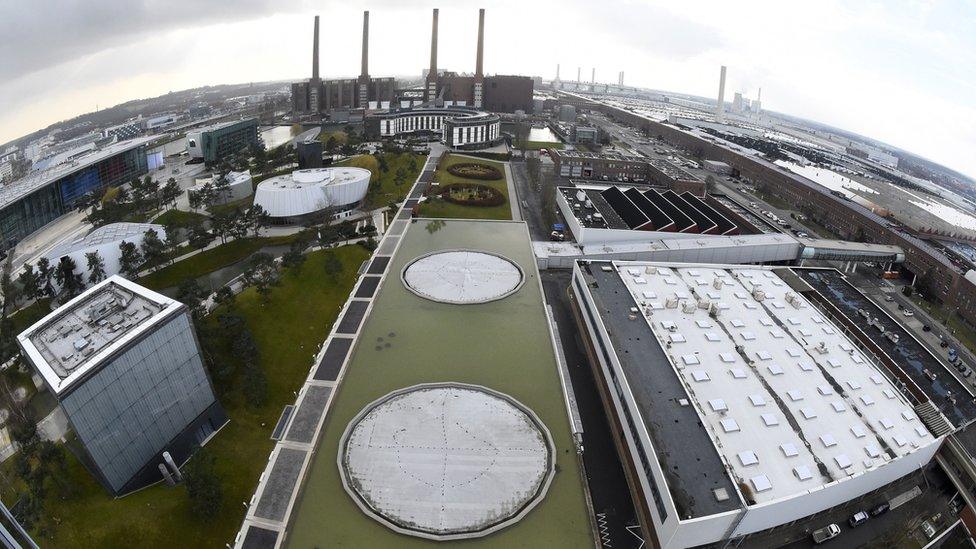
pixel 22 215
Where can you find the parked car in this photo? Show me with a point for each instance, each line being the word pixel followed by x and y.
pixel 828 532
pixel 926 328
pixel 879 509
pixel 889 299
pixel 908 313
pixel 944 344
pixel 857 519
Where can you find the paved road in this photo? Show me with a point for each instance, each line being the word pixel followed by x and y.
pixel 888 530
pixel 608 486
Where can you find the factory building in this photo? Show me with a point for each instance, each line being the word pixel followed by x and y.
pixel 219 141
pixel 597 213
pixel 499 93
pixel 737 404
pixel 322 96
pixel 124 364
pixel 625 168
pixel 303 194
pixel 32 202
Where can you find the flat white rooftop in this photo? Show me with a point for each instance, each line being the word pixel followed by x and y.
pixel 462 277
pixel 446 461
pixel 790 403
pixel 80 334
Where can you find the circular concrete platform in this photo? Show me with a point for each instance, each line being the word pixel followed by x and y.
pixel 462 277
pixel 446 461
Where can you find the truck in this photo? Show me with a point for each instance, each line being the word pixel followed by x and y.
pixel 828 532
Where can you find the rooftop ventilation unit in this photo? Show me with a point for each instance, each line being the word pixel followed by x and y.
pixel 717 283
pixel 759 294
pixel 688 307
pixel 671 302
pixel 822 348
pixel 581 195
pixel 704 304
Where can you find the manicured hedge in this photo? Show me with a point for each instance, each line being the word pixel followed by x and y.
pixel 494 196
pixel 473 170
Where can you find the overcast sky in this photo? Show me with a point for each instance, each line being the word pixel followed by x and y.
pixel 903 72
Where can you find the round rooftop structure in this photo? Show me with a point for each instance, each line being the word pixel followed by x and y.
pixel 462 277
pixel 446 461
pixel 304 192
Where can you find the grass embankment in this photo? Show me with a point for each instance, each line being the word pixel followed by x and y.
pixel 287 330
pixel 209 261
pixel 180 218
pixel 383 188
pixel 536 145
pixel 436 207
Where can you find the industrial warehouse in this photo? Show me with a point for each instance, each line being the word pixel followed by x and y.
pixel 770 413
pixel 619 214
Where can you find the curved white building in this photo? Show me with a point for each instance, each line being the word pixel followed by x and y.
pixel 105 240
pixel 458 127
pixel 302 193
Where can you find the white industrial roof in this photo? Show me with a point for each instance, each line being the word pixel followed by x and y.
pixel 80 334
pixel 307 191
pixel 462 277
pixel 755 352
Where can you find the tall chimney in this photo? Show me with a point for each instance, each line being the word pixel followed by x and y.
pixel 365 60
pixel 315 50
pixel 578 69
pixel 593 76
pixel 720 108
pixel 479 75
pixel 432 73
pixel 557 71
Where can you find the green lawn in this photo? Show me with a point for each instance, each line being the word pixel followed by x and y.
pixel 241 204
pixel 287 330
pixel 504 345
pixel 24 318
pixel 209 261
pixel 386 189
pixel 435 207
pixel 180 218
pixel 536 145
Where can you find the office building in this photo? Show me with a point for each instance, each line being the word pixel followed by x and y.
pixel 220 141
pixel 32 202
pixel 456 127
pixel 124 364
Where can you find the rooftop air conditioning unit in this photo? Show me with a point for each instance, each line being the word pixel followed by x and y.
pixel 581 195
pixel 822 348
pixel 759 294
pixel 704 304
pixel 717 283
pixel 713 311
pixel 689 307
pixel 671 302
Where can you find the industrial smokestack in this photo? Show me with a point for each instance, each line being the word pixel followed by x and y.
pixel 432 73
pixel 365 61
pixel 557 71
pixel 479 63
pixel 720 108
pixel 578 69
pixel 315 50
pixel 593 76
pixel 621 83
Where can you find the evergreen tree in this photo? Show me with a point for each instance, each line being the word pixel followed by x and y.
pixel 44 273
pixel 203 485
pixel 30 282
pixel 152 247
pixel 129 260
pixel 96 267
pixel 71 282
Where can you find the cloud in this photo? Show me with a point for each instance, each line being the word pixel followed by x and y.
pixel 896 71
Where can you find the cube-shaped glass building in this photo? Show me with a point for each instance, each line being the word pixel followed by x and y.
pixel 125 366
